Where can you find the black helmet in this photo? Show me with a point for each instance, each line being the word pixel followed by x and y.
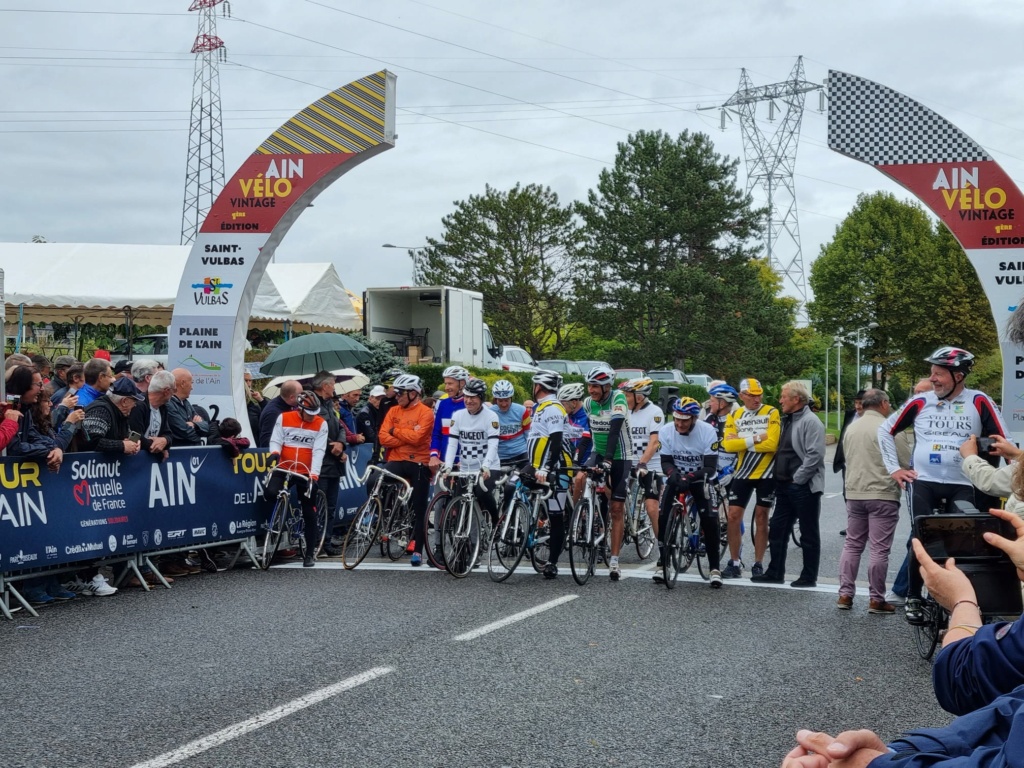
pixel 953 358
pixel 475 388
pixel 309 402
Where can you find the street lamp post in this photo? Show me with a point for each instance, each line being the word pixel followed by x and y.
pixel 867 327
pixel 415 254
pixel 839 378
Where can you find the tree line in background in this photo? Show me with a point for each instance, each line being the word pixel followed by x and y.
pixel 659 268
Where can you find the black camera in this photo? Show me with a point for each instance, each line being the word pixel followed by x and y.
pixel 985 444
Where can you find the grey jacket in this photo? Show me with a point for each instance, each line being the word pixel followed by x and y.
pixel 808 436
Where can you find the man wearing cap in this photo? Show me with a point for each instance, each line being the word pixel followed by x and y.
pixel 123 368
pixel 59 381
pixel 187 425
pixel 105 428
pixel 369 418
pixel 752 433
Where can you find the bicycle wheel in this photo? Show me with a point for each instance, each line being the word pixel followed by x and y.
pixel 795 534
pixel 362 532
pixel 320 505
pixel 460 536
pixel 675 539
pixel 926 637
pixel 632 506
pixel 508 542
pixel 582 549
pixel 275 532
pixel 435 512
pixel 540 550
pixel 691 541
pixel 400 528
pixel 645 538
pixel 723 526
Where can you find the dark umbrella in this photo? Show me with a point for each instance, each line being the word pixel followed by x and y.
pixel 313 353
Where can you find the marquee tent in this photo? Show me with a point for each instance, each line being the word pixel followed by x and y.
pixel 111 283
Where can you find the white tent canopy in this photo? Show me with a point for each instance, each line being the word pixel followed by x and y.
pixel 99 283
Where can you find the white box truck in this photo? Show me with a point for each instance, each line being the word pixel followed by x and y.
pixel 431 324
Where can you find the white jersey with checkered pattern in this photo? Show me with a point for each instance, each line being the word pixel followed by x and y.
pixel 644 422
pixel 474 439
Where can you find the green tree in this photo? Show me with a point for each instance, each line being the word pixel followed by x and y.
pixel 888 264
pixel 520 249
pixel 672 238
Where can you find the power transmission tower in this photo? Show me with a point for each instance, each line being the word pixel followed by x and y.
pixel 770 162
pixel 204 174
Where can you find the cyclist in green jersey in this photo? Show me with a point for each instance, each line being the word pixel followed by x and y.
pixel 608 412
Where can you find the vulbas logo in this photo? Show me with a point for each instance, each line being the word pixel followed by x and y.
pixel 211 291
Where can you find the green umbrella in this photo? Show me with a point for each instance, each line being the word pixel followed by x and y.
pixel 314 352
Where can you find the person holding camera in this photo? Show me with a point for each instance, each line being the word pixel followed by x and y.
pixel 24 388
pixel 9 423
pixel 994 481
pixel 942 420
pixel 978 675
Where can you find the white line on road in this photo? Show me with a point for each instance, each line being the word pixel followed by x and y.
pixel 487 628
pixel 264 718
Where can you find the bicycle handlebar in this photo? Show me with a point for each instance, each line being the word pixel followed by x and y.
pixel 300 475
pixel 374 468
pixel 477 474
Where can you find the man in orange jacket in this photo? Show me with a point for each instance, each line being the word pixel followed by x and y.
pixel 405 436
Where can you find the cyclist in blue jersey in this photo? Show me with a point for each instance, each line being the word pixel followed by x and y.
pixel 513 424
pixel 455 378
pixel 577 435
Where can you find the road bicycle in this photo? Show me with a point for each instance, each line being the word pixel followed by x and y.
pixel 286 518
pixel 638 529
pixel 464 528
pixel 522 527
pixel 588 529
pixel 684 541
pixel 388 495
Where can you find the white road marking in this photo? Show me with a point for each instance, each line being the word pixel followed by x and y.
pixel 264 718
pixel 832 495
pixel 487 628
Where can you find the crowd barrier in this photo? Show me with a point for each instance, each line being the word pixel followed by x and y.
pixel 129 508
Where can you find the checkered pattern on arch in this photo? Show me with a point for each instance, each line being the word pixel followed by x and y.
pixel 880 126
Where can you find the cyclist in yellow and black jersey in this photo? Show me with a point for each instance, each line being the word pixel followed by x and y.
pixel 752 433
pixel 547 457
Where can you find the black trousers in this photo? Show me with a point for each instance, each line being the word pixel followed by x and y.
pixel 794 502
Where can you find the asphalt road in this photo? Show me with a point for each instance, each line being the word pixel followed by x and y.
pixel 389 665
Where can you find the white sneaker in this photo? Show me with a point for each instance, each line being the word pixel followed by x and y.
pixel 100 587
pixel 715 579
pixel 78 586
pixel 614 571
pixel 894 599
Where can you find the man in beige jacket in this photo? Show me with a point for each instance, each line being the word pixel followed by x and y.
pixel 872 505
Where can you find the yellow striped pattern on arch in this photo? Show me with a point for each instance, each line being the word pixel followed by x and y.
pixel 350 119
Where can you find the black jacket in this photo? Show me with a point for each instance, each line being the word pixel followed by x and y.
pixel 180 414
pixel 104 428
pixel 268 419
pixel 332 465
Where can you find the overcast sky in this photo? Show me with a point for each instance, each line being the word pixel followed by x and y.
pixel 95 98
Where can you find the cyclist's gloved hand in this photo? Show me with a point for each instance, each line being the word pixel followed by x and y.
pixel 641 468
pixel 606 465
pixel 445 469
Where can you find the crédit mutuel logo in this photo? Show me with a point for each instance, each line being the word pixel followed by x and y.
pixel 212 290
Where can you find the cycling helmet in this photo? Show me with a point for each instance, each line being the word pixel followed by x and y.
pixel 601 374
pixel 503 388
pixel 475 388
pixel 408 382
pixel 391 375
pixel 953 358
pixel 685 406
pixel 642 386
pixel 309 402
pixel 456 372
pixel 571 392
pixel 549 380
pixel 725 392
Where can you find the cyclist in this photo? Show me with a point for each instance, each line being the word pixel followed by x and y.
pixel 405 436
pixel 721 402
pixel 942 420
pixel 645 422
pixel 299 442
pixel 455 378
pixel 578 439
pixel 473 437
pixel 513 423
pixel 689 459
pixel 545 448
pixel 608 412
pixel 752 433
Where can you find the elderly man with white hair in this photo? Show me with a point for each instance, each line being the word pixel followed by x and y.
pixel 799 482
pixel 149 417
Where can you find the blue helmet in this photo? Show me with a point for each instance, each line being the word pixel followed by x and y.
pixel 685 406
pixel 725 392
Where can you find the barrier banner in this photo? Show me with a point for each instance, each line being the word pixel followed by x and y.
pixel 99 505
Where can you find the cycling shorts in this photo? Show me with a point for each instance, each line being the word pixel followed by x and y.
pixel 740 490
pixel 619 480
pixel 651 483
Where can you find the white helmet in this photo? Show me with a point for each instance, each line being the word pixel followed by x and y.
pixel 408 381
pixel 503 388
pixel 601 374
pixel 456 372
pixel 549 380
pixel 573 391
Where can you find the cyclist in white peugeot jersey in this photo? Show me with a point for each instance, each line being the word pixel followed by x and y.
pixel 473 443
pixel 645 422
